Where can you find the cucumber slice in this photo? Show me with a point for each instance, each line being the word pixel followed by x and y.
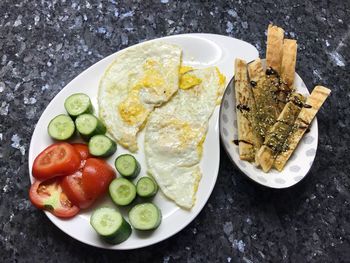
pixel 110 225
pixel 122 191
pixel 145 216
pixel 77 104
pixel 146 187
pixel 127 165
pixel 88 125
pixel 102 146
pixel 61 127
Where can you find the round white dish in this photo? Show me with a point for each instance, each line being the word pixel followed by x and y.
pixel 199 50
pixel 297 166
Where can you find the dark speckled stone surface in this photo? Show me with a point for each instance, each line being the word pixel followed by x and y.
pixel 45 44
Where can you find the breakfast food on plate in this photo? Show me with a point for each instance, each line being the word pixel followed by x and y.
pixel 61 127
pixel 146 216
pixel 289 60
pixel 249 138
pixel 278 134
pixel 146 187
pixel 274 49
pixel 175 132
pixel 49 195
pixel 302 123
pixel 127 166
pixel 270 90
pixel 110 225
pixel 145 86
pixel 88 125
pixel 270 114
pixel 56 160
pixel 140 78
pixel 68 179
pixel 122 191
pixel 77 104
pixel 101 145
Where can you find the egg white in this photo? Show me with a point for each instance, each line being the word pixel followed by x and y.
pixel 140 78
pixel 175 133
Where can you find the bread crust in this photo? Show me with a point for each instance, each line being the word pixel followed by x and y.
pixel 256 71
pixel 289 59
pixel 248 140
pixel 279 132
pixel 303 121
pixel 274 49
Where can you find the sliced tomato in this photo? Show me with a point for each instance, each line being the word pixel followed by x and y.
pixel 48 195
pixel 72 186
pixel 56 160
pixel 97 175
pixel 82 149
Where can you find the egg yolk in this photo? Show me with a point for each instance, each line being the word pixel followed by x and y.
pixel 188 81
pixel 185 133
pixel 222 81
pixel 152 78
pixel 222 78
pixel 200 146
pixel 131 110
pixel 185 69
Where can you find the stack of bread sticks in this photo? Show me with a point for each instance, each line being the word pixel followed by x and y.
pixel 271 116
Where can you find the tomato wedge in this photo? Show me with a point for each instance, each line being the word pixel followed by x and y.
pixel 72 186
pixel 48 195
pixel 97 175
pixel 56 160
pixel 82 149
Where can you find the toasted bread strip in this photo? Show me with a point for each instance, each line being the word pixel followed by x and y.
pixel 256 71
pixel 279 132
pixel 266 105
pixel 274 49
pixel 303 121
pixel 289 59
pixel 265 158
pixel 245 107
pixel 257 77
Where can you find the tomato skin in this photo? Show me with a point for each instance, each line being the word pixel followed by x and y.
pixel 97 175
pixel 56 160
pixel 48 195
pixel 34 197
pixel 82 149
pixel 72 186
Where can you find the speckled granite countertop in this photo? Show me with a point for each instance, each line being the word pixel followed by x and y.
pixel 45 44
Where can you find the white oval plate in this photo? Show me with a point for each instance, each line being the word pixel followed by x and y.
pixel 199 50
pixel 297 166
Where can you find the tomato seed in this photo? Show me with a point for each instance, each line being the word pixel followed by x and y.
pixel 65 201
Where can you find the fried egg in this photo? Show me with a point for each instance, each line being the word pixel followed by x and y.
pixel 175 133
pixel 140 78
